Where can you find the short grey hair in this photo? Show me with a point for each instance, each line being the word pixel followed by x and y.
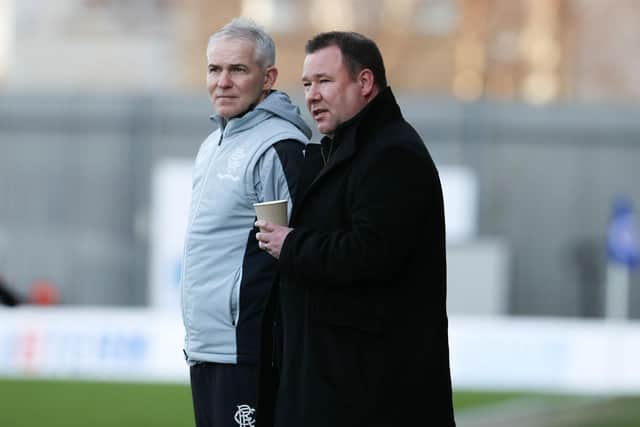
pixel 246 29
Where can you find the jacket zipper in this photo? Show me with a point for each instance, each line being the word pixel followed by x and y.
pixel 184 269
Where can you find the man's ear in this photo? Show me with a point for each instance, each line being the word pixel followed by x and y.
pixel 270 77
pixel 366 80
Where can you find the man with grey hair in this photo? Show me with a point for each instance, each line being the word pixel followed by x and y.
pixel 254 155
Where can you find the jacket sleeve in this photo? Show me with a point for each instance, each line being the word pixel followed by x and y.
pixel 278 170
pixel 395 204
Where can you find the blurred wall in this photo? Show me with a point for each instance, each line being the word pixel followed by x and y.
pixel 535 51
pixel 85 114
pixel 547 178
pixel 75 183
pixel 75 187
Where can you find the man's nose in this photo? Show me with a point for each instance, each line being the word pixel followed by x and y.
pixel 224 80
pixel 312 93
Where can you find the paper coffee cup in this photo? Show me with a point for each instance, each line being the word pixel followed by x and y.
pixel 274 211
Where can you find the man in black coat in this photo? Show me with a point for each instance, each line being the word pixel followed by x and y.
pixel 362 323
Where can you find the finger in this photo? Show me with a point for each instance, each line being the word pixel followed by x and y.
pixel 264 225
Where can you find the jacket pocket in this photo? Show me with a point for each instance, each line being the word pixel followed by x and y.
pixel 234 298
pixel 349 356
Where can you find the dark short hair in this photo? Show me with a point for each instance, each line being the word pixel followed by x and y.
pixel 358 53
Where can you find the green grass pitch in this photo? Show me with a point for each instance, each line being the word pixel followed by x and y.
pixel 56 403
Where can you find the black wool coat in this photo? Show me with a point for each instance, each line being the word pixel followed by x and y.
pixel 363 323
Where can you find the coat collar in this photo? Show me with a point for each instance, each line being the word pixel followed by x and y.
pixel 350 134
pixel 354 132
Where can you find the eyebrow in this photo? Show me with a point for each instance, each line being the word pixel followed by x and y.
pixel 315 76
pixel 239 64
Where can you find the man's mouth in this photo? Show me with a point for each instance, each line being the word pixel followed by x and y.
pixel 318 112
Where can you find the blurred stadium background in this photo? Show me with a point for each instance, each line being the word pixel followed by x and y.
pixel 529 108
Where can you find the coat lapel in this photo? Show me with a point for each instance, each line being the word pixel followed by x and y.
pixel 343 153
pixel 345 150
pixel 381 109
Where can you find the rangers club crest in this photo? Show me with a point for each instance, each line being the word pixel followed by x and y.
pixel 245 416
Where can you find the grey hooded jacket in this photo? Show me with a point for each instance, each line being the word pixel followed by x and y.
pixel 226 278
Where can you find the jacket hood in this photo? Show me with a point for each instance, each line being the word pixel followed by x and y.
pixel 276 103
